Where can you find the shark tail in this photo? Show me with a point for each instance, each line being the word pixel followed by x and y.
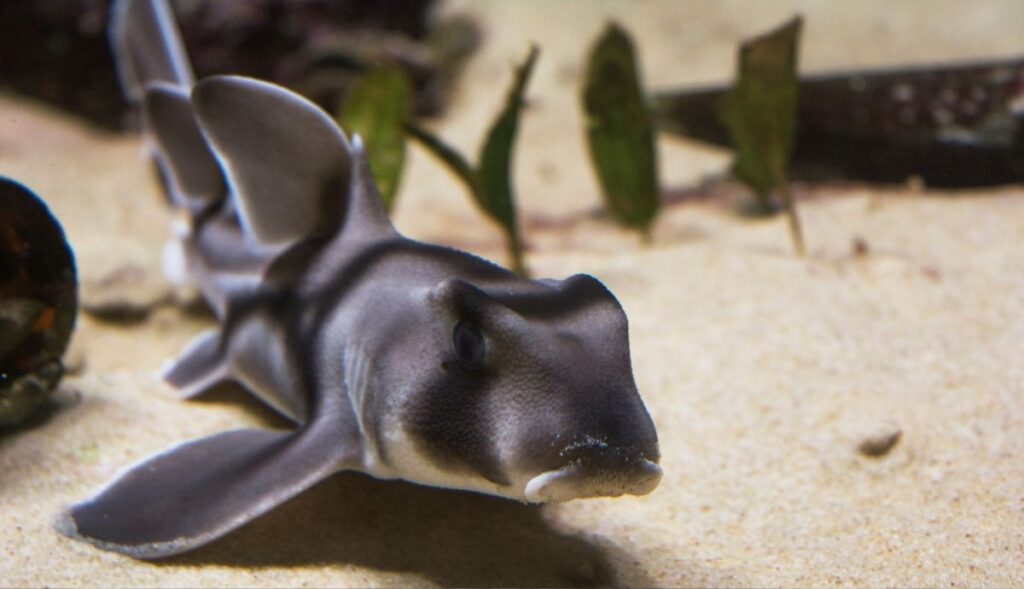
pixel 279 161
pixel 156 76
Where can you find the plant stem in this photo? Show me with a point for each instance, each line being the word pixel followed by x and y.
pixel 515 254
pixel 795 231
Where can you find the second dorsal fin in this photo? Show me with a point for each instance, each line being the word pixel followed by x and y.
pixel 289 166
pixel 196 181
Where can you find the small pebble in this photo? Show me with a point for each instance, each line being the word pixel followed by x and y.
pixel 881 442
pixel 126 294
pixel 915 184
pixel 74 359
pixel 931 273
pixel 859 247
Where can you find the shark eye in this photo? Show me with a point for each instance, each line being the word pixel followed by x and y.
pixel 469 345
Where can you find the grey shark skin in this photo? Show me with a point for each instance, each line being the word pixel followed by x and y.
pixel 392 357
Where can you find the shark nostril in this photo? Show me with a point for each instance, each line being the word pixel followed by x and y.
pixel 599 455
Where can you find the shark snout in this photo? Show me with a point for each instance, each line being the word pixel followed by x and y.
pixel 596 471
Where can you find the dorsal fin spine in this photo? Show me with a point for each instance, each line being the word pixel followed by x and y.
pixel 365 215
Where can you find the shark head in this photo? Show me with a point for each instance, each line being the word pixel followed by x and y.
pixel 524 390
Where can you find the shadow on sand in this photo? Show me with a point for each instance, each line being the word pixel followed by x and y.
pixel 64 398
pixel 450 538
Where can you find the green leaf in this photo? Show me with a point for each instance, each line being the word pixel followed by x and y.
pixel 376 108
pixel 496 195
pixel 760 109
pixel 620 131
pixel 490 183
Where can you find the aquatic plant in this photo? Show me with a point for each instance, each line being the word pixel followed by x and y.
pixel 760 113
pixel 490 182
pixel 376 108
pixel 620 131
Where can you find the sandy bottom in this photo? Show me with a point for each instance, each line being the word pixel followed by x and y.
pixel 763 372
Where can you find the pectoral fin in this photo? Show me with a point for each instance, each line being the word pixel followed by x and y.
pixel 254 356
pixel 201 366
pixel 196 492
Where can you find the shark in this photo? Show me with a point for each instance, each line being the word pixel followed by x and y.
pixel 395 358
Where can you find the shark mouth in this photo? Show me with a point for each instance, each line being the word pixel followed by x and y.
pixel 578 480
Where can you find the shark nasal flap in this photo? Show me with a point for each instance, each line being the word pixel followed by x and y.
pixel 392 357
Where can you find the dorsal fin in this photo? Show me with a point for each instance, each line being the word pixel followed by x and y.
pixel 288 164
pixel 147 46
pixel 366 215
pixel 196 179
